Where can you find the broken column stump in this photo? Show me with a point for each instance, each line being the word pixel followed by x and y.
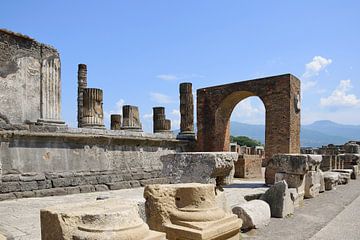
pixel 255 214
pixel 186 112
pixel 189 211
pixel 200 167
pixel 115 121
pixel 131 118
pixel 103 219
pixel 92 108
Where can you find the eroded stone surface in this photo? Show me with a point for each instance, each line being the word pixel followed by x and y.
pixel 200 167
pixel 188 211
pixel 254 214
pixel 312 184
pixel 278 197
pixel 105 219
pixel 331 179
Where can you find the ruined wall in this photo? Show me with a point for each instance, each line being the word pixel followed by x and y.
pixel 43 163
pixel 29 79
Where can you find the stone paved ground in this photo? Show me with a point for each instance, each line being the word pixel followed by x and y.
pixel 332 215
pixel 20 218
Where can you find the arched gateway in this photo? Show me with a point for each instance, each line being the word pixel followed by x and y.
pixel 281 98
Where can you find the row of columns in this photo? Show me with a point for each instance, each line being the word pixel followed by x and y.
pixel 90 111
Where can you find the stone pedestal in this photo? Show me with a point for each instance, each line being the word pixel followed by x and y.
pixel 92 111
pixel 103 219
pixel 187 112
pixel 312 184
pixel 82 84
pixel 189 211
pixel 160 123
pixel 131 119
pixel 296 185
pixel 115 122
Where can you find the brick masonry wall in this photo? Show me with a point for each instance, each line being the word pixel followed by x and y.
pixel 36 164
pixel 248 166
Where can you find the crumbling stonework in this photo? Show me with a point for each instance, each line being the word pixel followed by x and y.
pixel 115 121
pixel 131 118
pixel 189 211
pixel 280 95
pixel 160 123
pixel 80 160
pixel 92 108
pixel 30 83
pixel 200 167
pixel 105 219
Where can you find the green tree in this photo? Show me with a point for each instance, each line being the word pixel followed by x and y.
pixel 245 141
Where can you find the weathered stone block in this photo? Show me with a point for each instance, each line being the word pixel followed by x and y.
pixel 279 199
pixel 254 214
pixel 119 185
pixel 296 183
pixel 72 190
pixel 87 188
pixel 200 167
pixel 331 179
pixel 248 166
pixel 44 184
pixel 322 182
pixel 6 187
pixel 26 194
pixel 50 192
pixel 188 211
pixel 312 184
pixel 7 196
pixel 105 219
pixel 28 186
pixel 101 187
pixel 344 175
pixel 296 197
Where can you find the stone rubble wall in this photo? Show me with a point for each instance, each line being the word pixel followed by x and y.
pixel 38 162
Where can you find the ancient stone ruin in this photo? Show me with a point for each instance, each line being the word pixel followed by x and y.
pixel 186 178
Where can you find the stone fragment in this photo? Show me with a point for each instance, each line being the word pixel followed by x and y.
pixel 344 175
pixel 331 179
pixel 312 184
pixel 278 197
pixel 296 183
pixel 254 214
pixel 248 166
pixel 322 182
pixel 200 167
pixel 355 171
pixel 296 197
pixel 189 211
pixel 292 164
pixel 106 219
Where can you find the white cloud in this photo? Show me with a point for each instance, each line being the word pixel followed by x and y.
pixel 314 67
pixel 175 112
pixel 148 116
pixel 167 77
pixel 175 77
pixel 160 98
pixel 340 96
pixel 249 110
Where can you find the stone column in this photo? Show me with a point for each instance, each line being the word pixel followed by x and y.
pixel 187 112
pixel 82 84
pixel 160 123
pixel 115 121
pixel 50 91
pixel 131 119
pixel 92 109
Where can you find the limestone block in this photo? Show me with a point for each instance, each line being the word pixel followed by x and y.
pixel 322 182
pixel 105 219
pixel 312 184
pixel 200 167
pixel 331 179
pixel 254 214
pixel 189 211
pixel 296 197
pixel 278 197
pixel 344 175
pixel 296 163
pixel 296 182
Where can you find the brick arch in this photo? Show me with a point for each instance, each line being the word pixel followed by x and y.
pixel 279 95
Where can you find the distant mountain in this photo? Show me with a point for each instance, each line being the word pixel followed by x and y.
pixel 313 135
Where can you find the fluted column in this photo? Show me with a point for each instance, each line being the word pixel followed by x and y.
pixel 160 123
pixel 115 123
pixel 131 119
pixel 187 112
pixel 82 84
pixel 92 109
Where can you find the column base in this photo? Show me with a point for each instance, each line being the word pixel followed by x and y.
pixel 186 136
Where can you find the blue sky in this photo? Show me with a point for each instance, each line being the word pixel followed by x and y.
pixel 139 51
